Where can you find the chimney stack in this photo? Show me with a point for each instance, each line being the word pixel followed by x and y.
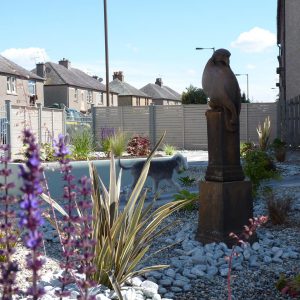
pixel 65 62
pixel 41 70
pixel 159 82
pixel 119 75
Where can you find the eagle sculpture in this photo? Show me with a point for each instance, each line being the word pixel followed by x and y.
pixel 221 87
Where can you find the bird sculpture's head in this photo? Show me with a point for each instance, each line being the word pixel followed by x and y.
pixel 221 56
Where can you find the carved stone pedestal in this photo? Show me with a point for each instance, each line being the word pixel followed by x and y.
pixel 225 207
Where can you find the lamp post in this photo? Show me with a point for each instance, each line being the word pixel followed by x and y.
pixel 247 83
pixel 201 48
pixel 106 52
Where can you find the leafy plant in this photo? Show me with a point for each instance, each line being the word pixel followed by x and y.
pixel 169 149
pixel 258 166
pixel 264 133
pixel 117 143
pixel 47 152
pixel 245 147
pixel 289 286
pixel 190 198
pixel 279 149
pixel 82 144
pixel 187 181
pixel 138 146
pixel 106 134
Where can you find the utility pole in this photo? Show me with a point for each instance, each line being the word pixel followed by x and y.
pixel 106 53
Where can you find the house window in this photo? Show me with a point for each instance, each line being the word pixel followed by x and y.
pixel 11 85
pixel 76 95
pixel 89 97
pixel 32 87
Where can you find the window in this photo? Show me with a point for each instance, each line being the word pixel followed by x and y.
pixel 89 97
pixel 32 87
pixel 75 95
pixel 11 85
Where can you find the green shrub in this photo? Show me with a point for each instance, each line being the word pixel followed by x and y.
pixel 264 134
pixel 258 166
pixel 169 149
pixel 245 147
pixel 189 197
pixel 82 144
pixel 47 152
pixel 187 181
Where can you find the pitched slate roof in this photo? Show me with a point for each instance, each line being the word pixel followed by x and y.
pixel 160 92
pixel 10 68
pixel 57 74
pixel 125 89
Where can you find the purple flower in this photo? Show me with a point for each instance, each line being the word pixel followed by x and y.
pixel 8 238
pixel 30 216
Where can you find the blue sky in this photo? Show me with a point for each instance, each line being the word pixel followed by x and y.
pixel 147 38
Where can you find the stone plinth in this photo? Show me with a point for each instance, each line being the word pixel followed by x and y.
pixel 225 207
pixel 223 150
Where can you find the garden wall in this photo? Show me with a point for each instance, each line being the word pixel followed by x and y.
pixel 185 124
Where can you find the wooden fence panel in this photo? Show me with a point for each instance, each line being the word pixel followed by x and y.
pixel 169 118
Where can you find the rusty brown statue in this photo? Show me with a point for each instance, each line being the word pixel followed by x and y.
pixel 221 87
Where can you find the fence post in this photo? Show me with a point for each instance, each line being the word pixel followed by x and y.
pixel 152 124
pixel 8 126
pixel 93 110
pixel 247 131
pixel 39 107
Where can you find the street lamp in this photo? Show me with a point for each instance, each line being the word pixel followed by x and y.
pixel 106 52
pixel 247 83
pixel 201 48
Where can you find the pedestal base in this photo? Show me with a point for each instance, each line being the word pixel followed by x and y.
pixel 225 207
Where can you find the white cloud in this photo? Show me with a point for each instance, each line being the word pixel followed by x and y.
pixel 26 57
pixel 191 72
pixel 255 40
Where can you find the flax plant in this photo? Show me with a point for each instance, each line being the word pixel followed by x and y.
pixel 124 236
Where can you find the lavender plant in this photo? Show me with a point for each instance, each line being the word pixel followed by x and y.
pixel 9 267
pixel 30 215
pixel 62 152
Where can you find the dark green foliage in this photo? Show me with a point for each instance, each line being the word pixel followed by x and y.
pixel 258 166
pixel 187 181
pixel 245 147
pixel 82 144
pixel 278 143
pixel 289 286
pixel 193 95
pixel 186 195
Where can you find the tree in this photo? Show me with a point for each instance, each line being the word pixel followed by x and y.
pixel 244 99
pixel 193 95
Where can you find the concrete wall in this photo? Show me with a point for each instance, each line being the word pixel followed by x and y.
pixel 21 97
pixel 185 124
pixel 292 47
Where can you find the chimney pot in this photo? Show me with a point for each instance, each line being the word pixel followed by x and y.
pixel 41 70
pixel 118 75
pixel 159 81
pixel 65 62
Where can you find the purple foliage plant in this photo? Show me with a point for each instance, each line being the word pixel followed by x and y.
pixel 30 215
pixel 8 238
